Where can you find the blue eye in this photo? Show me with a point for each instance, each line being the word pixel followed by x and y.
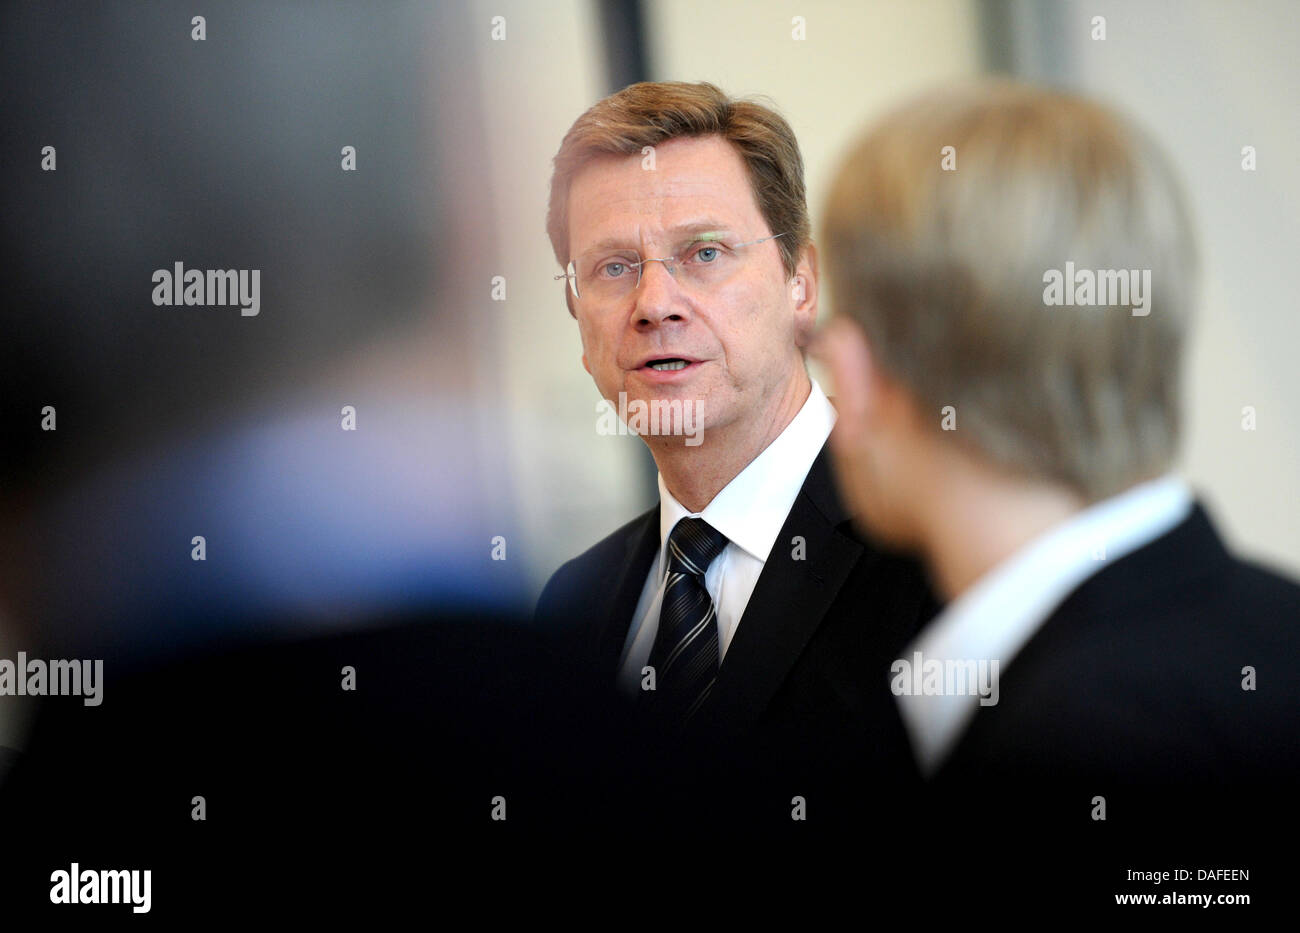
pixel 707 253
pixel 612 270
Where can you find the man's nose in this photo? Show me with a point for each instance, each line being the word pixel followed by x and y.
pixel 659 297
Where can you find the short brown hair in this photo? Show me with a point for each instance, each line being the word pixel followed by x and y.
pixel 652 112
pixel 945 271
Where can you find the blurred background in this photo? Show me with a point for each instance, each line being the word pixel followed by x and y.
pixel 418 288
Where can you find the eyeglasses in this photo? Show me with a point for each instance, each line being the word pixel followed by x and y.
pixel 701 264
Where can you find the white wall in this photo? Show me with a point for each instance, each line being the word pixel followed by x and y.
pixel 1207 78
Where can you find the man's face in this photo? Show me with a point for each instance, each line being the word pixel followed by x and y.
pixel 739 338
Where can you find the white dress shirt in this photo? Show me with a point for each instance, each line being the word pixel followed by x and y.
pixel 750 511
pixel 996 617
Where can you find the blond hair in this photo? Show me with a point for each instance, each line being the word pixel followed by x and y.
pixel 941 256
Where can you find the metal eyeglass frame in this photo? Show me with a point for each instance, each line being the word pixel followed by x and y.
pixel 668 261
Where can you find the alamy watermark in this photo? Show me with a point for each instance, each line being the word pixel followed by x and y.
pixel 659 417
pixel 1103 288
pixel 88 886
pixel 35 677
pixel 950 677
pixel 206 287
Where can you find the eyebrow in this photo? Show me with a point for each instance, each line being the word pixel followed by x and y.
pixel 701 229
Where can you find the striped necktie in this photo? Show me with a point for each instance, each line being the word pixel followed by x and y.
pixel 686 651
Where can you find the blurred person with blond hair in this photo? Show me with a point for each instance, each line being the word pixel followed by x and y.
pixel 1013 271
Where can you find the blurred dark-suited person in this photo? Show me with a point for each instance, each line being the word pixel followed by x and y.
pixel 1096 627
pixel 344 669
pixel 743 604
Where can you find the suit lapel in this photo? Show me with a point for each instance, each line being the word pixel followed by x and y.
pixel 641 547
pixel 789 601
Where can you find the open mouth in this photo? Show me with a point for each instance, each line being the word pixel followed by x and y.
pixel 668 365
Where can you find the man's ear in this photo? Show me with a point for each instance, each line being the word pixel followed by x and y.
pixel 867 396
pixel 842 348
pixel 803 296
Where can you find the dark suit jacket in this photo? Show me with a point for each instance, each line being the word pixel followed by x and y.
pixel 1136 679
pixel 808 666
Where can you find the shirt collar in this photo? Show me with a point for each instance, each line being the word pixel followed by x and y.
pixel 994 618
pixel 751 509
